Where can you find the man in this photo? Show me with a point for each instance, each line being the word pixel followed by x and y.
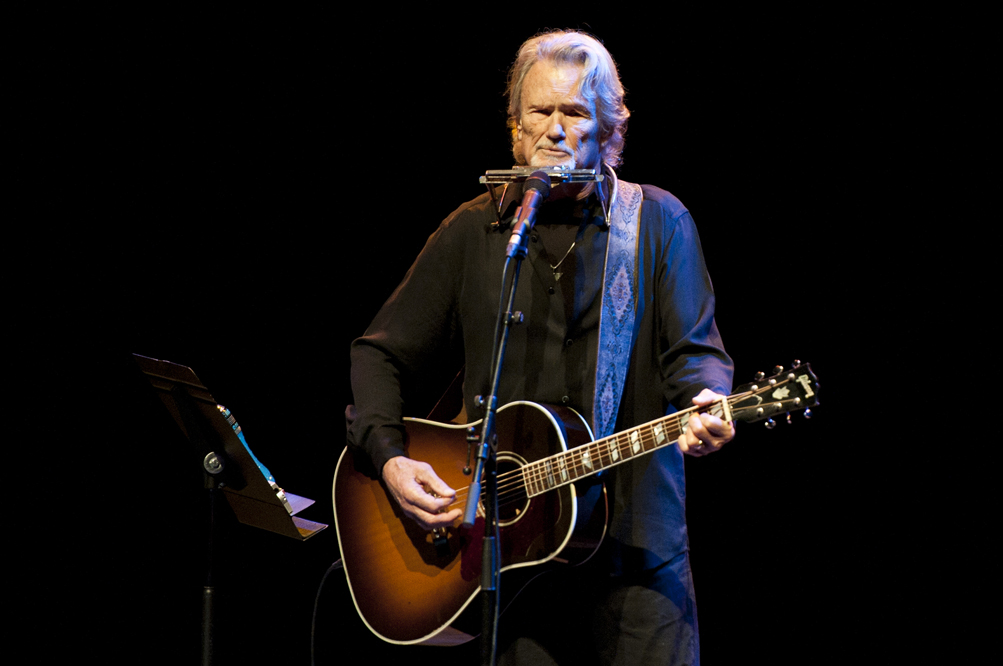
pixel 566 109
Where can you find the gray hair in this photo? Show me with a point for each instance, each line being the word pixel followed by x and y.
pixel 599 82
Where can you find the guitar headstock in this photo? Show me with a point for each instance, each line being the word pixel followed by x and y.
pixel 783 393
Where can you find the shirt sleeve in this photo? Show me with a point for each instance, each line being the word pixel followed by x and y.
pixel 416 325
pixel 691 354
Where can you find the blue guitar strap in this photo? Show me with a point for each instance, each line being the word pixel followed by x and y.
pixel 619 304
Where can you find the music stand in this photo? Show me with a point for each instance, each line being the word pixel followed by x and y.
pixel 228 465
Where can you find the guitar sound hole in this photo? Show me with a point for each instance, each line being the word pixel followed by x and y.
pixel 512 499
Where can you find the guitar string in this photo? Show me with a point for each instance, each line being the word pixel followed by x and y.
pixel 515 490
pixel 513 486
pixel 610 450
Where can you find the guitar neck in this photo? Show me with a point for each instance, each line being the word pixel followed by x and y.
pixel 589 459
pixel 777 395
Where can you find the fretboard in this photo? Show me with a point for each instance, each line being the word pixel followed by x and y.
pixel 569 466
pixel 777 395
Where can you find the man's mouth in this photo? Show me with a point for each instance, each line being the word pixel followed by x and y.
pixel 550 150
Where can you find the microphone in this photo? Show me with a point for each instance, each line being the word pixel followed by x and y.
pixel 534 191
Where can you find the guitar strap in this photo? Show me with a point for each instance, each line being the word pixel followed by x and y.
pixel 619 304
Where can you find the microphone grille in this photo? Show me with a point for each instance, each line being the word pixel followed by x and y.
pixel 540 181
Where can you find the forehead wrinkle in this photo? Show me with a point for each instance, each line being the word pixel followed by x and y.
pixel 579 93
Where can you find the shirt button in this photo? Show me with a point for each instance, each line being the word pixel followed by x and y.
pixel 569 342
pixel 550 290
pixel 534 238
pixel 565 400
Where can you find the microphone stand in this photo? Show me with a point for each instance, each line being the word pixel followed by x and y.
pixel 486 464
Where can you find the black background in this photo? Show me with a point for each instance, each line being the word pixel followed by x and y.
pixel 199 185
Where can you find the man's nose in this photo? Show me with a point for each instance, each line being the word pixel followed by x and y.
pixel 555 129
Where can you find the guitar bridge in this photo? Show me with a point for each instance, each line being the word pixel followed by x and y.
pixel 441 542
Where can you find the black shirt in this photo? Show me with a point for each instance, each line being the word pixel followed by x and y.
pixel 444 312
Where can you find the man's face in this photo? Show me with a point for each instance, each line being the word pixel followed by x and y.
pixel 557 126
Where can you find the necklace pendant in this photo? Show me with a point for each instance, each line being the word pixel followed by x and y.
pixel 554 267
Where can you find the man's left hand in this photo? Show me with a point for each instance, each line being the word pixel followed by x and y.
pixel 705 433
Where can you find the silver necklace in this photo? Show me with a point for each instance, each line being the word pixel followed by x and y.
pixel 554 267
pixel 602 202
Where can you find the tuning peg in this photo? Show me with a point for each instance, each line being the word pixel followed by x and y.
pixel 807 413
pixel 796 364
pixel 760 376
pixel 770 424
pixel 778 369
pixel 788 418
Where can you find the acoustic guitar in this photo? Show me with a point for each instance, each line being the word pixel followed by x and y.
pixel 411 586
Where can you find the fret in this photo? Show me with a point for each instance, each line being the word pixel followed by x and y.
pixel 600 457
pixel 540 484
pixel 622 448
pixel 611 451
pixel 652 441
pixel 635 441
pixel 659 432
pixel 569 466
pixel 568 461
pixel 623 443
pixel 614 451
pixel 526 483
pixel 684 420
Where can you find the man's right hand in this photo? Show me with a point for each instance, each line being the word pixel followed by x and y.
pixel 422 495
